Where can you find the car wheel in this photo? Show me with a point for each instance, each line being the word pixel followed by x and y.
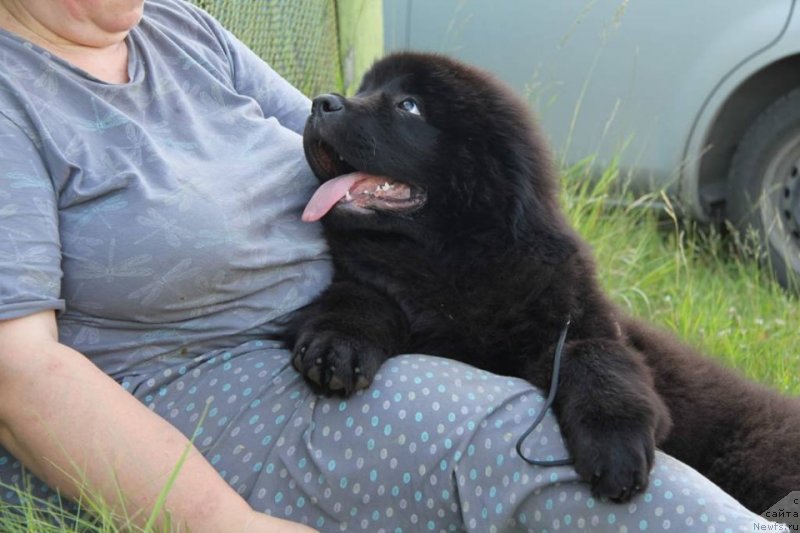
pixel 764 186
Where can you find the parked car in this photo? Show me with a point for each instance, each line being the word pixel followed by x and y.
pixel 700 99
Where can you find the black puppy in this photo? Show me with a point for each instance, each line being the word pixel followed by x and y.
pixel 440 206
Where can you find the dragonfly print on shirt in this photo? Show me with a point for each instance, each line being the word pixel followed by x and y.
pixel 104 118
pixel 130 267
pixel 173 234
pixel 169 281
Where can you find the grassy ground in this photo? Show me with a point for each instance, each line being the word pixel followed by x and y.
pixel 690 281
pixel 707 289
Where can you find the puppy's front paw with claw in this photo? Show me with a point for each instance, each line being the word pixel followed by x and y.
pixel 334 362
pixel 616 463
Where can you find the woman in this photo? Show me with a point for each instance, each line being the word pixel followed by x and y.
pixel 151 181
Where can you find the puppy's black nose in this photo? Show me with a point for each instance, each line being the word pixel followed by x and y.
pixel 327 103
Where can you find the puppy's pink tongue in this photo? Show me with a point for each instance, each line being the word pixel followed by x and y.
pixel 328 194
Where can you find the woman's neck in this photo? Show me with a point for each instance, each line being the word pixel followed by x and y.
pixel 104 55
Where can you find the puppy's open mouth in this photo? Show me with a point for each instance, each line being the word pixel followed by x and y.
pixel 356 191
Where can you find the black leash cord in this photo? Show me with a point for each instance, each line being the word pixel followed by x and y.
pixel 551 396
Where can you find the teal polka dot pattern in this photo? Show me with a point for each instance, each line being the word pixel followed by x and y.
pixel 430 447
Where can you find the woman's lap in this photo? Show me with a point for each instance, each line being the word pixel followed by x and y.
pixel 430 446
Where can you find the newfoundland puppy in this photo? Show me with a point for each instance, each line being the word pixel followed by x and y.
pixel 439 201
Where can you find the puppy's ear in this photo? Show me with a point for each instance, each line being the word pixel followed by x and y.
pixel 532 208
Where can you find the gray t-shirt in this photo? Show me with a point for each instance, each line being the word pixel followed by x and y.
pixel 160 217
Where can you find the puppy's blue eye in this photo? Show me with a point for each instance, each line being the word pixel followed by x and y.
pixel 409 105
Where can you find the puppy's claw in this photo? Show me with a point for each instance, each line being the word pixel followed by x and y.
pixel 623 495
pixel 362 382
pixel 335 384
pixel 314 375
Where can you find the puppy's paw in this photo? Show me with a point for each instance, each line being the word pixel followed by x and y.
pixel 617 463
pixel 336 362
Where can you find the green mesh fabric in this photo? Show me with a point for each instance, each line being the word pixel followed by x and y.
pixel 298 38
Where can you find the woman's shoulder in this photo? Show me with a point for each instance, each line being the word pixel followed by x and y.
pixel 181 16
pixel 179 27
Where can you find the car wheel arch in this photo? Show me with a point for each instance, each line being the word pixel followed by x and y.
pixel 735 114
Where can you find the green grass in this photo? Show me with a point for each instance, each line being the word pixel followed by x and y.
pixel 37 516
pixel 33 515
pixel 687 279
pixel 710 290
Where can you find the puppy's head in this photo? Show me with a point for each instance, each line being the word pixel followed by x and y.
pixel 427 140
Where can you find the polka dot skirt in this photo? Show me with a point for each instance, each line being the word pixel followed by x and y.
pixel 429 447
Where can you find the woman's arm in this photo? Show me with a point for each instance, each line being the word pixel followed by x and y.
pixel 79 431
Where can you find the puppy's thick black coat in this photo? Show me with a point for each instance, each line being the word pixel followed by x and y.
pixel 448 239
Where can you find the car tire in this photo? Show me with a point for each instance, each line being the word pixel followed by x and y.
pixel 764 186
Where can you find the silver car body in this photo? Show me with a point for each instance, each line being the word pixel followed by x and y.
pixel 664 87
